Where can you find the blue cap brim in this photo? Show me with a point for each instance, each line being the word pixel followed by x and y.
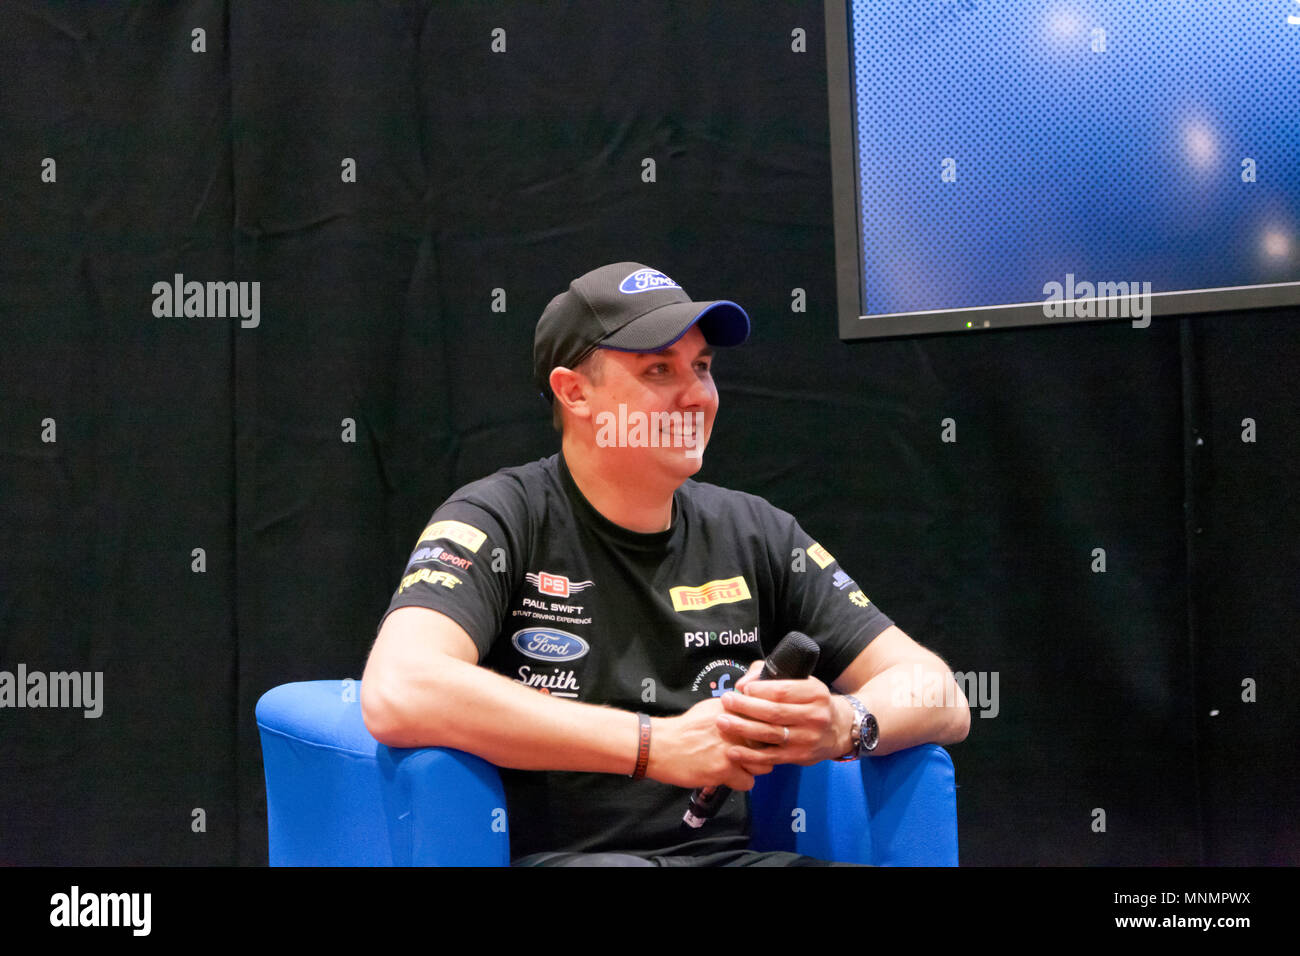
pixel 723 324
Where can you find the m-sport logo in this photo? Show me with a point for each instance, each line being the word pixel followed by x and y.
pixel 548 644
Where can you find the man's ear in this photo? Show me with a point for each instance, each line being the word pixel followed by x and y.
pixel 570 391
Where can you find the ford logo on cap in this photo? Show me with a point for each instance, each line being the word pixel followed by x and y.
pixel 545 644
pixel 646 280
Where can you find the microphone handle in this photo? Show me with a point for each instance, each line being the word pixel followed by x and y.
pixel 706 801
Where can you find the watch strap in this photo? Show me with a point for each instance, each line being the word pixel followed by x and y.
pixel 860 715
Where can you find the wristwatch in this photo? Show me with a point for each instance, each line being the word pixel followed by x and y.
pixel 865 732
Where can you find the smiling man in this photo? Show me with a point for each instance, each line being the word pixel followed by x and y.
pixel 579 621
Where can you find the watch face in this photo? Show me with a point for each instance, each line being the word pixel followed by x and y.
pixel 870 733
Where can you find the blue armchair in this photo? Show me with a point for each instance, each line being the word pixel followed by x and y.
pixel 335 796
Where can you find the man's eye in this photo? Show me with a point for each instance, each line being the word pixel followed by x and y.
pixel 703 366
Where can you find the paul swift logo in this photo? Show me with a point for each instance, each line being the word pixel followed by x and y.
pixel 639 429
pixel 556 585
pixel 1107 300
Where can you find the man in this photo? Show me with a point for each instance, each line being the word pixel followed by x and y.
pixel 580 621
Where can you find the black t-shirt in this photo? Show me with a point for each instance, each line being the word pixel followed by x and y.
pixel 559 598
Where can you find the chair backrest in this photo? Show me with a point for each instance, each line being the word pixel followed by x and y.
pixel 337 797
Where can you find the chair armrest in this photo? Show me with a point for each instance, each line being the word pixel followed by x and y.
pixel 456 808
pixel 338 797
pixel 912 801
pixel 895 810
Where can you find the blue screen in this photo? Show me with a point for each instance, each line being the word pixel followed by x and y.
pixel 1006 145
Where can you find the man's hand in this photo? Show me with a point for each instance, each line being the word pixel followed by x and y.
pixel 693 750
pixel 784 721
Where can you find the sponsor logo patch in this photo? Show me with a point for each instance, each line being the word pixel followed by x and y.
pixel 819 554
pixel 646 280
pixel 458 532
pixel 858 598
pixel 557 682
pixel 726 591
pixel 718 677
pixel 720 638
pixel 437 553
pixel 431 576
pixel 549 644
pixel 841 580
pixel 555 584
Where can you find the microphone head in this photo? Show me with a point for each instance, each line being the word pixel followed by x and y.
pixel 792 659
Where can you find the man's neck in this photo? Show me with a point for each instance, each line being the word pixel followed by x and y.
pixel 628 503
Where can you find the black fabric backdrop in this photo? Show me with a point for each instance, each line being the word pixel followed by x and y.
pixel 480 171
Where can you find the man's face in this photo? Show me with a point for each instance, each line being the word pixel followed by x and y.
pixel 670 395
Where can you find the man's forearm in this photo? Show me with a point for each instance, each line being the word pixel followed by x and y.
pixel 916 703
pixel 422 688
pixel 467 707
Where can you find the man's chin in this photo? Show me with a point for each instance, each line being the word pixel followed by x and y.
pixel 685 461
pixel 689 447
pixel 676 461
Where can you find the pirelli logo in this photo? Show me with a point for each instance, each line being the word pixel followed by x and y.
pixel 458 532
pixel 819 554
pixel 706 595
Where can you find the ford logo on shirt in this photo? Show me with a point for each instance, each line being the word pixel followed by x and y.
pixel 546 644
pixel 646 280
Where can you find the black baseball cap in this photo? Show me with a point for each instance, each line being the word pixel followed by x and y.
pixel 628 307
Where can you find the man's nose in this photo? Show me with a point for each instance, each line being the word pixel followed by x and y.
pixel 696 393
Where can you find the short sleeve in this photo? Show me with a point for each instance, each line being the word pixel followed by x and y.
pixel 463 565
pixel 819 598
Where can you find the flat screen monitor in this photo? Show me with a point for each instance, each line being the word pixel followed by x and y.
pixel 1022 162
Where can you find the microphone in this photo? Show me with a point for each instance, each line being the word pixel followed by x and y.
pixel 792 659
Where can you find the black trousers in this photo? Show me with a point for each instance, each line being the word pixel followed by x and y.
pixel 725 858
